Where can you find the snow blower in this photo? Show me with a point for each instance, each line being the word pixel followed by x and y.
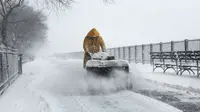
pixel 101 63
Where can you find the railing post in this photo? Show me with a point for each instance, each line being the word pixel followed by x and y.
pixel 118 52
pixel 124 57
pixel 161 47
pixel 114 52
pixel 186 47
pixel 142 54
pixel 135 53
pixel 151 50
pixel 129 54
pixel 20 64
pixel 186 44
pixel 111 51
pixel 1 72
pixel 161 50
pixel 172 46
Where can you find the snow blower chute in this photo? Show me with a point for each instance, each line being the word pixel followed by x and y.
pixel 102 63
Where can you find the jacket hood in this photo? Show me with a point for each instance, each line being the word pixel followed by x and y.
pixel 93 33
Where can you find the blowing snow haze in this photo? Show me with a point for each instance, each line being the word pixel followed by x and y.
pixel 126 22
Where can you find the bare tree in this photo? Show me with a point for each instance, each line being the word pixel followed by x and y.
pixel 6 8
pixel 66 3
pixel 26 27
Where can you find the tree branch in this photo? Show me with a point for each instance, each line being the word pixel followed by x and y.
pixel 1 14
pixel 8 2
pixel 28 19
pixel 3 7
pixel 15 6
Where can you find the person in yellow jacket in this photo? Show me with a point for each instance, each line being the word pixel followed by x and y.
pixel 93 42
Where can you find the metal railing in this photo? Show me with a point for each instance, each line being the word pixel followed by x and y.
pixel 141 53
pixel 10 66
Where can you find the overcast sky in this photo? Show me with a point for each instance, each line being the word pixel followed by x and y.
pixel 127 22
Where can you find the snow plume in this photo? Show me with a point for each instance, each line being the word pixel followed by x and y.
pixel 67 77
pixel 137 79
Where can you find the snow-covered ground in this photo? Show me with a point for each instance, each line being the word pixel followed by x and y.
pixel 182 92
pixel 57 85
pixel 186 80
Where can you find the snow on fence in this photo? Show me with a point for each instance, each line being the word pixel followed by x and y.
pixel 10 66
pixel 141 53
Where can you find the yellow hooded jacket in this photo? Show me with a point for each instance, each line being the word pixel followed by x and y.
pixel 93 42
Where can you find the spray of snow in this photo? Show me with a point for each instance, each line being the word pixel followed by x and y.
pixel 47 86
pixel 67 77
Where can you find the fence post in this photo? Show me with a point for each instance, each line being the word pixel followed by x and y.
pixel 142 54
pixel 172 46
pixel 186 44
pixel 114 52
pixel 161 47
pixel 118 52
pixel 135 53
pixel 1 64
pixel 161 50
pixel 129 54
pixel 151 50
pixel 110 51
pixel 20 64
pixel 186 47
pixel 124 57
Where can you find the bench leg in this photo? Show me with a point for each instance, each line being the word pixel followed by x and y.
pixel 198 72
pixel 193 72
pixel 177 67
pixel 169 68
pixel 189 71
pixel 182 72
pixel 197 68
pixel 154 69
pixel 179 71
pixel 157 67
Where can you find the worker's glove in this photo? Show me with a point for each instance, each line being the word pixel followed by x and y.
pixel 91 54
pixel 103 50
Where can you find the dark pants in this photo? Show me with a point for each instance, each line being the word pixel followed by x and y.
pixel 86 58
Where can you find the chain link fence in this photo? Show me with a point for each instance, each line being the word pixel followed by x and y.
pixel 10 66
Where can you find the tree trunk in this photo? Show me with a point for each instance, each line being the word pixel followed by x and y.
pixel 4 30
pixel 4 40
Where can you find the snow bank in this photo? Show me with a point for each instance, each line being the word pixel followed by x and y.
pixel 169 77
pixel 18 98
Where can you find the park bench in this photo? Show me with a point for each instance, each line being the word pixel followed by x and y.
pixel 164 60
pixel 179 61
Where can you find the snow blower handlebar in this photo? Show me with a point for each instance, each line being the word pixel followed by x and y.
pixel 91 55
